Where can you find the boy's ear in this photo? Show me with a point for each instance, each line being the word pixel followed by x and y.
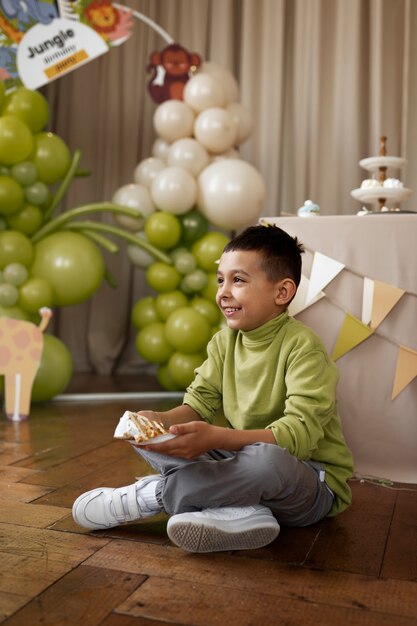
pixel 285 292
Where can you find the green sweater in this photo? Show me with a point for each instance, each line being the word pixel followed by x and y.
pixel 278 376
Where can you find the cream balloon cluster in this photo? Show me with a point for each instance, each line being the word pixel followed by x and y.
pixel 195 162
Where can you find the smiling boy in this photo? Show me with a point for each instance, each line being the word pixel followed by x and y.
pixel 283 459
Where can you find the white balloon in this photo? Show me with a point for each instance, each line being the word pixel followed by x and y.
pixel 160 149
pixel 136 197
pixel 173 119
pixel 230 154
pixel 174 190
pixel 204 91
pixel 231 194
pixel 243 119
pixel 228 81
pixel 189 154
pixel 137 255
pixel 146 171
pixel 215 129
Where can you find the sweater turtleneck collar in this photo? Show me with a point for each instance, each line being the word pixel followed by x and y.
pixel 264 333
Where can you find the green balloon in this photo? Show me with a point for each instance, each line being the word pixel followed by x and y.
pixel 165 379
pixel 181 367
pixel 15 312
pixel 9 294
pixel 16 140
pixel 144 312
pixel 194 225
pixel 152 344
pixel 208 250
pixel 28 220
pixel 194 281
pixel 210 290
pixel 36 293
pixel 162 277
pixel 168 302
pixel 71 263
pixel 28 105
pixel 11 195
pixel 15 274
pixel 55 370
pixel 51 156
pixel 208 309
pixel 15 247
pixel 185 262
pixel 187 330
pixel 163 230
pixel 2 92
pixel 25 173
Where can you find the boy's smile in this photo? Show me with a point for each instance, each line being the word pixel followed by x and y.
pixel 245 295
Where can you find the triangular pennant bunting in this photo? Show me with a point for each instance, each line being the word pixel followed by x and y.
pixel 323 271
pixel 352 333
pixel 406 369
pixel 385 298
pixel 367 300
pixel 300 301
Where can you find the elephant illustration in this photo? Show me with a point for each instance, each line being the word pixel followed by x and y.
pixel 29 12
pixel 21 345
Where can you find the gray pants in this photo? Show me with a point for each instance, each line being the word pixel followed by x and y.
pixel 261 473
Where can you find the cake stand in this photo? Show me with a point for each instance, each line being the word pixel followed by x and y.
pixel 380 195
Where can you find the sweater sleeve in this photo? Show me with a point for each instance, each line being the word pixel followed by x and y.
pixel 311 380
pixel 204 394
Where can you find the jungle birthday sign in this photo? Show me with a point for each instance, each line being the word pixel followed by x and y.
pixel 41 40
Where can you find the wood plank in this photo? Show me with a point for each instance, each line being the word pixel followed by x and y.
pixel 292 546
pixel 84 596
pixel 20 492
pixel 82 465
pixel 355 540
pixel 10 603
pixel 48 545
pixel 110 475
pixel 117 619
pixel 13 452
pixel 161 598
pixel 12 512
pixel 400 559
pixel 13 474
pixel 226 571
pixel 29 575
pixel 151 530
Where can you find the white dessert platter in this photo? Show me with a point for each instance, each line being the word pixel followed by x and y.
pixel 375 194
pixel 374 163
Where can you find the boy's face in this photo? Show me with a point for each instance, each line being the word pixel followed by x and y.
pixel 245 295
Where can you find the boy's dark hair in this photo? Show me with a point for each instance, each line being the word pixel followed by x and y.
pixel 281 252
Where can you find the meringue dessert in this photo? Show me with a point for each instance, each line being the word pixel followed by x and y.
pixel 370 183
pixel 139 429
pixel 393 183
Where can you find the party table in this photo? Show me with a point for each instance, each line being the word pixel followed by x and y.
pixel 378 249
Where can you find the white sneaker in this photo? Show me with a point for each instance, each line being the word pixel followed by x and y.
pixel 227 528
pixel 104 507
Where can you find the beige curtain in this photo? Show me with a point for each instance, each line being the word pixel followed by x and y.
pixel 324 79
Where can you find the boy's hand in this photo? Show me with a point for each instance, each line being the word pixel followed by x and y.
pixel 192 439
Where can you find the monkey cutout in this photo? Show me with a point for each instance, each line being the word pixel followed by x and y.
pixel 170 70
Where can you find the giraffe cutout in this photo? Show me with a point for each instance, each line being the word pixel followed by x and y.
pixel 21 345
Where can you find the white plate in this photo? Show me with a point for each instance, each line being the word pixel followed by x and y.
pixel 398 194
pixel 158 439
pixel 373 163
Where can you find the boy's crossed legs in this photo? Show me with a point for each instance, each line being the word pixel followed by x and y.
pixel 220 501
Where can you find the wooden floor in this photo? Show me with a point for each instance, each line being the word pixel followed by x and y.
pixel 357 569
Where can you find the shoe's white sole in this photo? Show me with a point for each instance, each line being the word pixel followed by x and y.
pixel 203 536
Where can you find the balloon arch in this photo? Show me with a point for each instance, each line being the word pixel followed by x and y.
pixel 192 184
